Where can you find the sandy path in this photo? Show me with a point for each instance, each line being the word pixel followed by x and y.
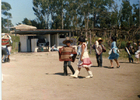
pixel 39 76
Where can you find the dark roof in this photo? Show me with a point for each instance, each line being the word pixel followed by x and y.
pixel 41 31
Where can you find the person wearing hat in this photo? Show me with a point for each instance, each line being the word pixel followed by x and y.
pixel 128 49
pixel 67 54
pixel 99 49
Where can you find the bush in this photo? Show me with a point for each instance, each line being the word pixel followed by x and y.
pixel 15 40
pixel 123 44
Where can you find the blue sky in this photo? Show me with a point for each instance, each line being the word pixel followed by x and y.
pixel 23 9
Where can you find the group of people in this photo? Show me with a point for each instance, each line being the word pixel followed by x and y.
pixel 113 53
pixel 6 47
pixel 68 54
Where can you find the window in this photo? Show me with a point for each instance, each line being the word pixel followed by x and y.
pixel 63 35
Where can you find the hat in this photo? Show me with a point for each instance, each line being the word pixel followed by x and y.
pixel 100 39
pixel 67 40
pixel 5 36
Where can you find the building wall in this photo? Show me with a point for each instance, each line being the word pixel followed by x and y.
pixel 52 39
pixel 23 41
pixel 34 45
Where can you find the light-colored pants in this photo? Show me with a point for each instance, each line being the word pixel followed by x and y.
pixel 9 50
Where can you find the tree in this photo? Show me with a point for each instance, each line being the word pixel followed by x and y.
pixel 42 11
pixel 136 14
pixel 26 21
pixel 6 22
pixel 126 17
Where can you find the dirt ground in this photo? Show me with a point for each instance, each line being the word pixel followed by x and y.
pixel 39 76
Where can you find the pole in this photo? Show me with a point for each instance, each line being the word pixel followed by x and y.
pixel 90 42
pixel 139 13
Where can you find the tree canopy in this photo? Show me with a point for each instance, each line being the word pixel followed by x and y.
pixel 83 14
pixel 6 22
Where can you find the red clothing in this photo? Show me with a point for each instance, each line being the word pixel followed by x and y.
pixel 65 52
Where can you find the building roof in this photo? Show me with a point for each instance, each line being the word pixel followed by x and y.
pixel 23 26
pixel 41 31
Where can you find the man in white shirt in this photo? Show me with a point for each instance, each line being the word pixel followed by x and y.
pixel 9 47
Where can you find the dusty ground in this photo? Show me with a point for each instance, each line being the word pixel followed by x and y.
pixel 39 76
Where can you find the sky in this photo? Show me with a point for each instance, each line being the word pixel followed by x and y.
pixel 23 9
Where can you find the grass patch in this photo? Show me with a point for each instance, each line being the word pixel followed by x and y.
pixel 15 40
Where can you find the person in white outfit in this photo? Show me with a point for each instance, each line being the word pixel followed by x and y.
pixel 84 61
pixel 137 53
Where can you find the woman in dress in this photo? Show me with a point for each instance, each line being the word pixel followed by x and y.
pixel 137 54
pixel 114 53
pixel 84 61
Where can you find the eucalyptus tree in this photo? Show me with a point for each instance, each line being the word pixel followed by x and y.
pixel 136 15
pixel 72 13
pixel 58 14
pixel 101 11
pixel 126 17
pixel 6 22
pixel 42 9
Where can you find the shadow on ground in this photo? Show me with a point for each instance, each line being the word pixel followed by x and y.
pixel 124 62
pixel 94 66
pixel 108 67
pixel 129 62
pixel 62 74
pixel 139 96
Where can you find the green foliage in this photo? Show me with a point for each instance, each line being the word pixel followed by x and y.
pixel 123 45
pixel 15 40
pixel 83 14
pixel 6 22
pixel 126 17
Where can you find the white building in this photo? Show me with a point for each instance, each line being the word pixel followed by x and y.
pixel 32 39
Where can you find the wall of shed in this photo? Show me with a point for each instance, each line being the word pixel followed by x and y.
pixel 23 41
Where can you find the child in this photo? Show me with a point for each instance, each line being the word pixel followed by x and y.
pixel 128 49
pixel 67 54
pixel 78 50
pixel 113 53
pixel 99 49
pixel 84 60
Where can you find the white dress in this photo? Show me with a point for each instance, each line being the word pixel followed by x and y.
pixel 86 60
pixel 137 53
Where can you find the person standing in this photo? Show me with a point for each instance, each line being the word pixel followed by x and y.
pixel 67 54
pixel 84 61
pixel 137 53
pixel 5 43
pixel 114 53
pixel 9 47
pixel 19 46
pixel 99 49
pixel 128 49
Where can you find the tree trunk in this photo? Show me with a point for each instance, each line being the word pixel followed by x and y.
pixel 90 42
pixel 62 20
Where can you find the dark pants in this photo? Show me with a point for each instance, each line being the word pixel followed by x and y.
pixel 99 59
pixel 130 58
pixel 68 63
pixel 4 53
